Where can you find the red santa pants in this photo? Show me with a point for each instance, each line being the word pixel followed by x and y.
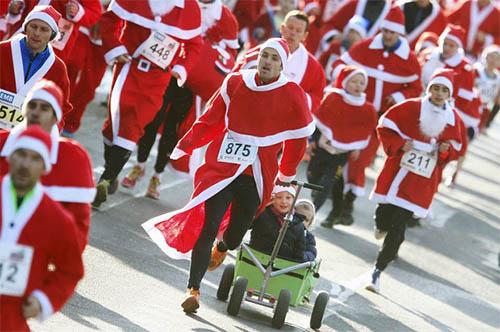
pixel 136 96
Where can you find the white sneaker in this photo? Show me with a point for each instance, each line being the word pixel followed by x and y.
pixel 379 234
pixel 374 285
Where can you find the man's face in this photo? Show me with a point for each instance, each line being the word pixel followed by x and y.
pixel 423 3
pixel 493 60
pixel 353 36
pixel 39 112
pixel 287 5
pixel 293 30
pixel 389 37
pixel 25 168
pixel 282 202
pixel 450 48
pixel 269 66
pixel 38 35
pixel 356 85
pixel 439 94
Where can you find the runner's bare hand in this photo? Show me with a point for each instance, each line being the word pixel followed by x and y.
pixel 31 307
pixel 443 147
pixel 124 58
pixel 407 146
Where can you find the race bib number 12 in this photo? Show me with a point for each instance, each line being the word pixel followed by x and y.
pixel 160 49
pixel 15 265
pixel 234 152
pixel 419 162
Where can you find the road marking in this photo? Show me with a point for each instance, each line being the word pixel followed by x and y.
pixel 340 292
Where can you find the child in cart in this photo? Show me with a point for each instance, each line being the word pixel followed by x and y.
pixel 305 208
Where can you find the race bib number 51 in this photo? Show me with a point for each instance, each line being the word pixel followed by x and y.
pixel 10 111
pixel 234 152
pixel 15 265
pixel 419 162
pixel 160 49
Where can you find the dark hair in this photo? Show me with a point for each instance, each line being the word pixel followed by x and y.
pixel 298 15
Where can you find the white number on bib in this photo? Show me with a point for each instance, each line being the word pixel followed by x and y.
pixel 234 152
pixel 15 265
pixel 65 30
pixel 10 109
pixel 419 162
pixel 160 49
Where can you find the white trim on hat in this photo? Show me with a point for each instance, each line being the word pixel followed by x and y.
pixel 279 189
pixel 33 144
pixel 453 38
pixel 39 15
pixel 44 95
pixel 275 44
pixel 441 80
pixel 355 72
pixel 393 26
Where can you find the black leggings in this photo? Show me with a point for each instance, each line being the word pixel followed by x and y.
pixel 181 100
pixel 243 195
pixel 391 219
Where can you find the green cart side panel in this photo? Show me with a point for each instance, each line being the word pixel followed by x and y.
pixel 299 282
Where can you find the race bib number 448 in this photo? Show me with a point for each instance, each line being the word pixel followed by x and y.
pixel 419 162
pixel 15 265
pixel 234 152
pixel 160 49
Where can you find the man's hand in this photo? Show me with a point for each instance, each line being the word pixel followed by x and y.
pixel 124 58
pixel 31 307
pixel 407 146
pixel 354 155
pixel 443 147
pixel 15 7
pixel 389 100
pixel 176 75
pixel 481 37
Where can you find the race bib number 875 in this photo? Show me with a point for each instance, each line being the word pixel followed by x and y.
pixel 15 265
pixel 419 162
pixel 234 152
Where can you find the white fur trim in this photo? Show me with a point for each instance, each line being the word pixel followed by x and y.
pixel 403 51
pixel 455 39
pixel 35 14
pixel 393 26
pixel 285 178
pixel 354 145
pixel 476 18
pixel 71 194
pixel 289 189
pixel 47 308
pixel 231 43
pixel 248 76
pixel 110 56
pixel 441 80
pixel 296 65
pixel 398 97
pixel 114 100
pixel 181 70
pixel 465 94
pixel 335 71
pixel 46 96
pixel 33 144
pixel 469 121
pixel 310 6
pixel 274 44
pixel 355 72
pixel 177 154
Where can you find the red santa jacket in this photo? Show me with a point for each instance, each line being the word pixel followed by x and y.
pixel 49 230
pixel 88 13
pixel 346 121
pixel 435 22
pixel 239 109
pixel 137 20
pixel 70 182
pixel 12 73
pixel 463 82
pixel 474 20
pixel 334 52
pixel 397 185
pixel 301 68
pixel 395 74
pixel 220 45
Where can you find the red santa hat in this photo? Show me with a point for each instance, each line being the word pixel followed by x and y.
pixel 426 40
pixel 36 139
pixel 394 21
pixel 47 91
pixel 455 33
pixel 279 189
pixel 44 13
pixel 347 73
pixel 444 77
pixel 280 45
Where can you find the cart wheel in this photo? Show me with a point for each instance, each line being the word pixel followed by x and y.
pixel 239 289
pixel 319 310
pixel 281 308
pixel 225 283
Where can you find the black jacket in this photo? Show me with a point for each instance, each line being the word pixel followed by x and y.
pixel 265 232
pixel 310 253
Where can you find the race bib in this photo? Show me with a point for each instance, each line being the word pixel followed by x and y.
pixel 234 152
pixel 160 49
pixel 419 162
pixel 10 109
pixel 65 30
pixel 15 265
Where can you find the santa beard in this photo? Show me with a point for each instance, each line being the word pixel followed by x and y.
pixel 432 119
pixel 161 7
pixel 210 12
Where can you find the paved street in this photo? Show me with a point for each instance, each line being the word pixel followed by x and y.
pixel 447 276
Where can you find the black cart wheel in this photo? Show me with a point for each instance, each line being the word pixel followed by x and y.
pixel 281 308
pixel 225 283
pixel 319 310
pixel 239 289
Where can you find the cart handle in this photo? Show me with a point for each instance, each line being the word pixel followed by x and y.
pixel 307 185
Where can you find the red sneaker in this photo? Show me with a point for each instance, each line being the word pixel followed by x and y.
pixel 131 179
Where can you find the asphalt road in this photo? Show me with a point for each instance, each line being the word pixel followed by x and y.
pixel 447 276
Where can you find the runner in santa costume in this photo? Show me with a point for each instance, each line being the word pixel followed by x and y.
pixel 70 181
pixel 393 76
pixel 145 56
pixel 481 21
pixel 301 67
pixel 488 83
pixel 345 122
pixel 73 14
pixel 374 11
pixel 254 116
pixel 27 58
pixel 421 16
pixel 182 105
pixel 246 12
pixel 419 136
pixel 38 244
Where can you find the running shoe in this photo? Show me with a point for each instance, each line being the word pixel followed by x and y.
pixel 216 258
pixel 374 285
pixel 152 191
pixel 192 301
pixel 131 179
